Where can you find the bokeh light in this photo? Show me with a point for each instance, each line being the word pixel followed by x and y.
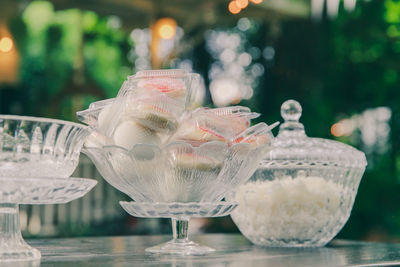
pixel 242 3
pixel 256 1
pixel 235 71
pixel 344 127
pixel 166 28
pixel 243 24
pixel 336 130
pixel 6 44
pixel 234 8
pixel 167 31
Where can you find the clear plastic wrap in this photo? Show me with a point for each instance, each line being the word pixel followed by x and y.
pixel 96 112
pixel 131 132
pixel 96 139
pixel 153 107
pixel 220 124
pixel 162 96
pixel 154 110
pixel 256 135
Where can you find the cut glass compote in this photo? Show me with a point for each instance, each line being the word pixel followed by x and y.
pixel 177 181
pixel 173 161
pixel 37 156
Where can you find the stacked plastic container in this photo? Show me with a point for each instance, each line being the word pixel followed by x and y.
pixel 156 107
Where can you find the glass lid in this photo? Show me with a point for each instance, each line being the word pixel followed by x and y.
pixel 293 147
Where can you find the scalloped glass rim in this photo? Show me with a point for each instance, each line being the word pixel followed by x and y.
pixel 300 164
pixel 39 147
pixel 40 119
pixel 167 145
pixel 168 73
pixel 153 188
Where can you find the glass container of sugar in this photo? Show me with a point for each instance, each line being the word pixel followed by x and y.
pixel 303 191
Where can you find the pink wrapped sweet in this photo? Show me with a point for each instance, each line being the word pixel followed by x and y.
pixel 171 87
pixel 220 124
pixel 256 135
pixel 176 84
pixel 155 98
pixel 154 110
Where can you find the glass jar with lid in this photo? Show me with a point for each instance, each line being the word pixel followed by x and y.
pixel 303 191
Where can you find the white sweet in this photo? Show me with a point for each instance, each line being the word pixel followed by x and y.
pixel 286 208
pixel 101 119
pixel 129 133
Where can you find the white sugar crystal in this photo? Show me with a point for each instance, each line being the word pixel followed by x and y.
pixel 286 208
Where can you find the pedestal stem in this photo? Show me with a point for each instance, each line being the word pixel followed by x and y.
pixel 12 245
pixel 9 223
pixel 180 244
pixel 180 230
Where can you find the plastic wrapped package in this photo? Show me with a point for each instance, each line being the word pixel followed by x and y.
pixel 256 135
pixel 198 95
pixel 145 119
pixel 154 110
pixel 96 112
pixel 220 124
pixel 176 83
pixel 234 119
pixel 131 132
pixel 94 116
pixel 155 97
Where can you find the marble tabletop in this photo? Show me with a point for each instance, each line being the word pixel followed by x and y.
pixel 232 250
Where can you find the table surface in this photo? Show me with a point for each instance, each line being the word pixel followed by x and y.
pixel 232 250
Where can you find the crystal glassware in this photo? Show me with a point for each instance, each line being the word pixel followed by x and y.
pixel 39 147
pixel 37 156
pixel 177 181
pixel 303 191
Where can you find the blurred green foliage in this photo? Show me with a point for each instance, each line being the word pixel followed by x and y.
pixel 68 59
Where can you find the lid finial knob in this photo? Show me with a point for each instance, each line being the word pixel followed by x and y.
pixel 291 113
pixel 291 110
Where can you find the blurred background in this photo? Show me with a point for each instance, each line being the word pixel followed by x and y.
pixel 339 58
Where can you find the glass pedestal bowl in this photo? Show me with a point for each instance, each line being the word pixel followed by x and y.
pixel 177 181
pixel 36 157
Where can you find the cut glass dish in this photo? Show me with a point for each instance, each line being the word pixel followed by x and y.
pixel 37 156
pixel 177 181
pixel 39 147
pixel 303 191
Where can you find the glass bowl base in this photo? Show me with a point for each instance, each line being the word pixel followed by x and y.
pixel 290 243
pixel 180 214
pixel 18 252
pixel 182 248
pixel 178 210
